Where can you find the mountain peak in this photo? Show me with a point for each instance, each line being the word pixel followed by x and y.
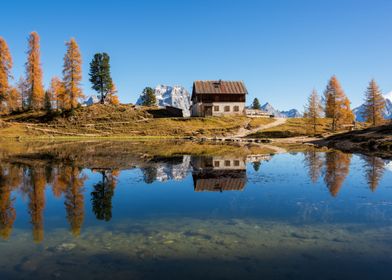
pixel 293 113
pixel 175 96
pixel 358 112
pixel 388 96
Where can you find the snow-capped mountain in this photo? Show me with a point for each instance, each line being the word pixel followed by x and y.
pixel 358 112
pixel 176 96
pixel 177 172
pixel 293 113
pixel 90 100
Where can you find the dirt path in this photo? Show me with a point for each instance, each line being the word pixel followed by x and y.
pixel 243 132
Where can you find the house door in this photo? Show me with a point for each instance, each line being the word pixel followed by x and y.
pixel 208 111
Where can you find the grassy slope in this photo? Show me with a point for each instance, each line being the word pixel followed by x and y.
pixel 295 127
pixel 118 121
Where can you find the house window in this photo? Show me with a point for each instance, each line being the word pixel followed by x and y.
pixel 236 108
pixel 236 163
pixel 227 162
pixel 227 108
pixel 216 108
pixel 216 164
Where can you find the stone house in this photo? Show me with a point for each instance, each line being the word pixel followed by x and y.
pixel 218 98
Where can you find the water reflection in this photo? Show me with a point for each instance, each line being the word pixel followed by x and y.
pixel 218 173
pixel 102 194
pixel 10 179
pixel 374 170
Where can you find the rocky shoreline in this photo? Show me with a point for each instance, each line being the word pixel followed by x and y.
pixel 375 141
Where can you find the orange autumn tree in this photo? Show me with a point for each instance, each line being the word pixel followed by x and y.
pixel 14 102
pixel 374 171
pixel 74 199
pixel 374 105
pixel 57 92
pixel 313 110
pixel 60 181
pixel 112 97
pixel 36 194
pixel 337 167
pixel 337 105
pixel 72 75
pixel 10 178
pixel 34 73
pixel 5 71
pixel 314 162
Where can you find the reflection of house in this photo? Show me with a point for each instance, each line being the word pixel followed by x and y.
pixel 258 158
pixel 218 98
pixel 218 174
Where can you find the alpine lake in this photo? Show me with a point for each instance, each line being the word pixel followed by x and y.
pixel 184 210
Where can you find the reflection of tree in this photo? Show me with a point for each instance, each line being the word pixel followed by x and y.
pixel 10 177
pixel 337 169
pixel 314 162
pixel 149 174
pixel 60 181
pixel 374 170
pixel 103 194
pixel 74 199
pixel 256 166
pixel 36 194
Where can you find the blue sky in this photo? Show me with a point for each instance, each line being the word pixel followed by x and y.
pixel 281 49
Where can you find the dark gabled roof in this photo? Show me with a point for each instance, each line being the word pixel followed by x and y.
pixel 219 87
pixel 220 184
pixel 219 180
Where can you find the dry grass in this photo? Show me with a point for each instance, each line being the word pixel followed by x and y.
pixel 118 121
pixel 293 128
pixel 255 122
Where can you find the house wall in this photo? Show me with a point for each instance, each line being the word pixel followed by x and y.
pixel 197 109
pixel 231 105
pixel 222 163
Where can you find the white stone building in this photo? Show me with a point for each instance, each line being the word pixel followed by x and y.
pixel 218 98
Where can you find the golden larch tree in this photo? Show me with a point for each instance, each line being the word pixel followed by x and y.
pixel 314 162
pixel 74 199
pixel 34 73
pixel 60 181
pixel 14 100
pixel 374 105
pixel 36 194
pixel 72 74
pixel 23 89
pixel 5 71
pixel 337 105
pixel 374 170
pixel 313 110
pixel 57 91
pixel 10 178
pixel 337 167
pixel 112 97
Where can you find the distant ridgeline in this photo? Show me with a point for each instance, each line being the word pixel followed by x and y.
pixel 358 112
pixel 293 113
pixel 174 96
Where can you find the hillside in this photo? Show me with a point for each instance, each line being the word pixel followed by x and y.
pixel 118 121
